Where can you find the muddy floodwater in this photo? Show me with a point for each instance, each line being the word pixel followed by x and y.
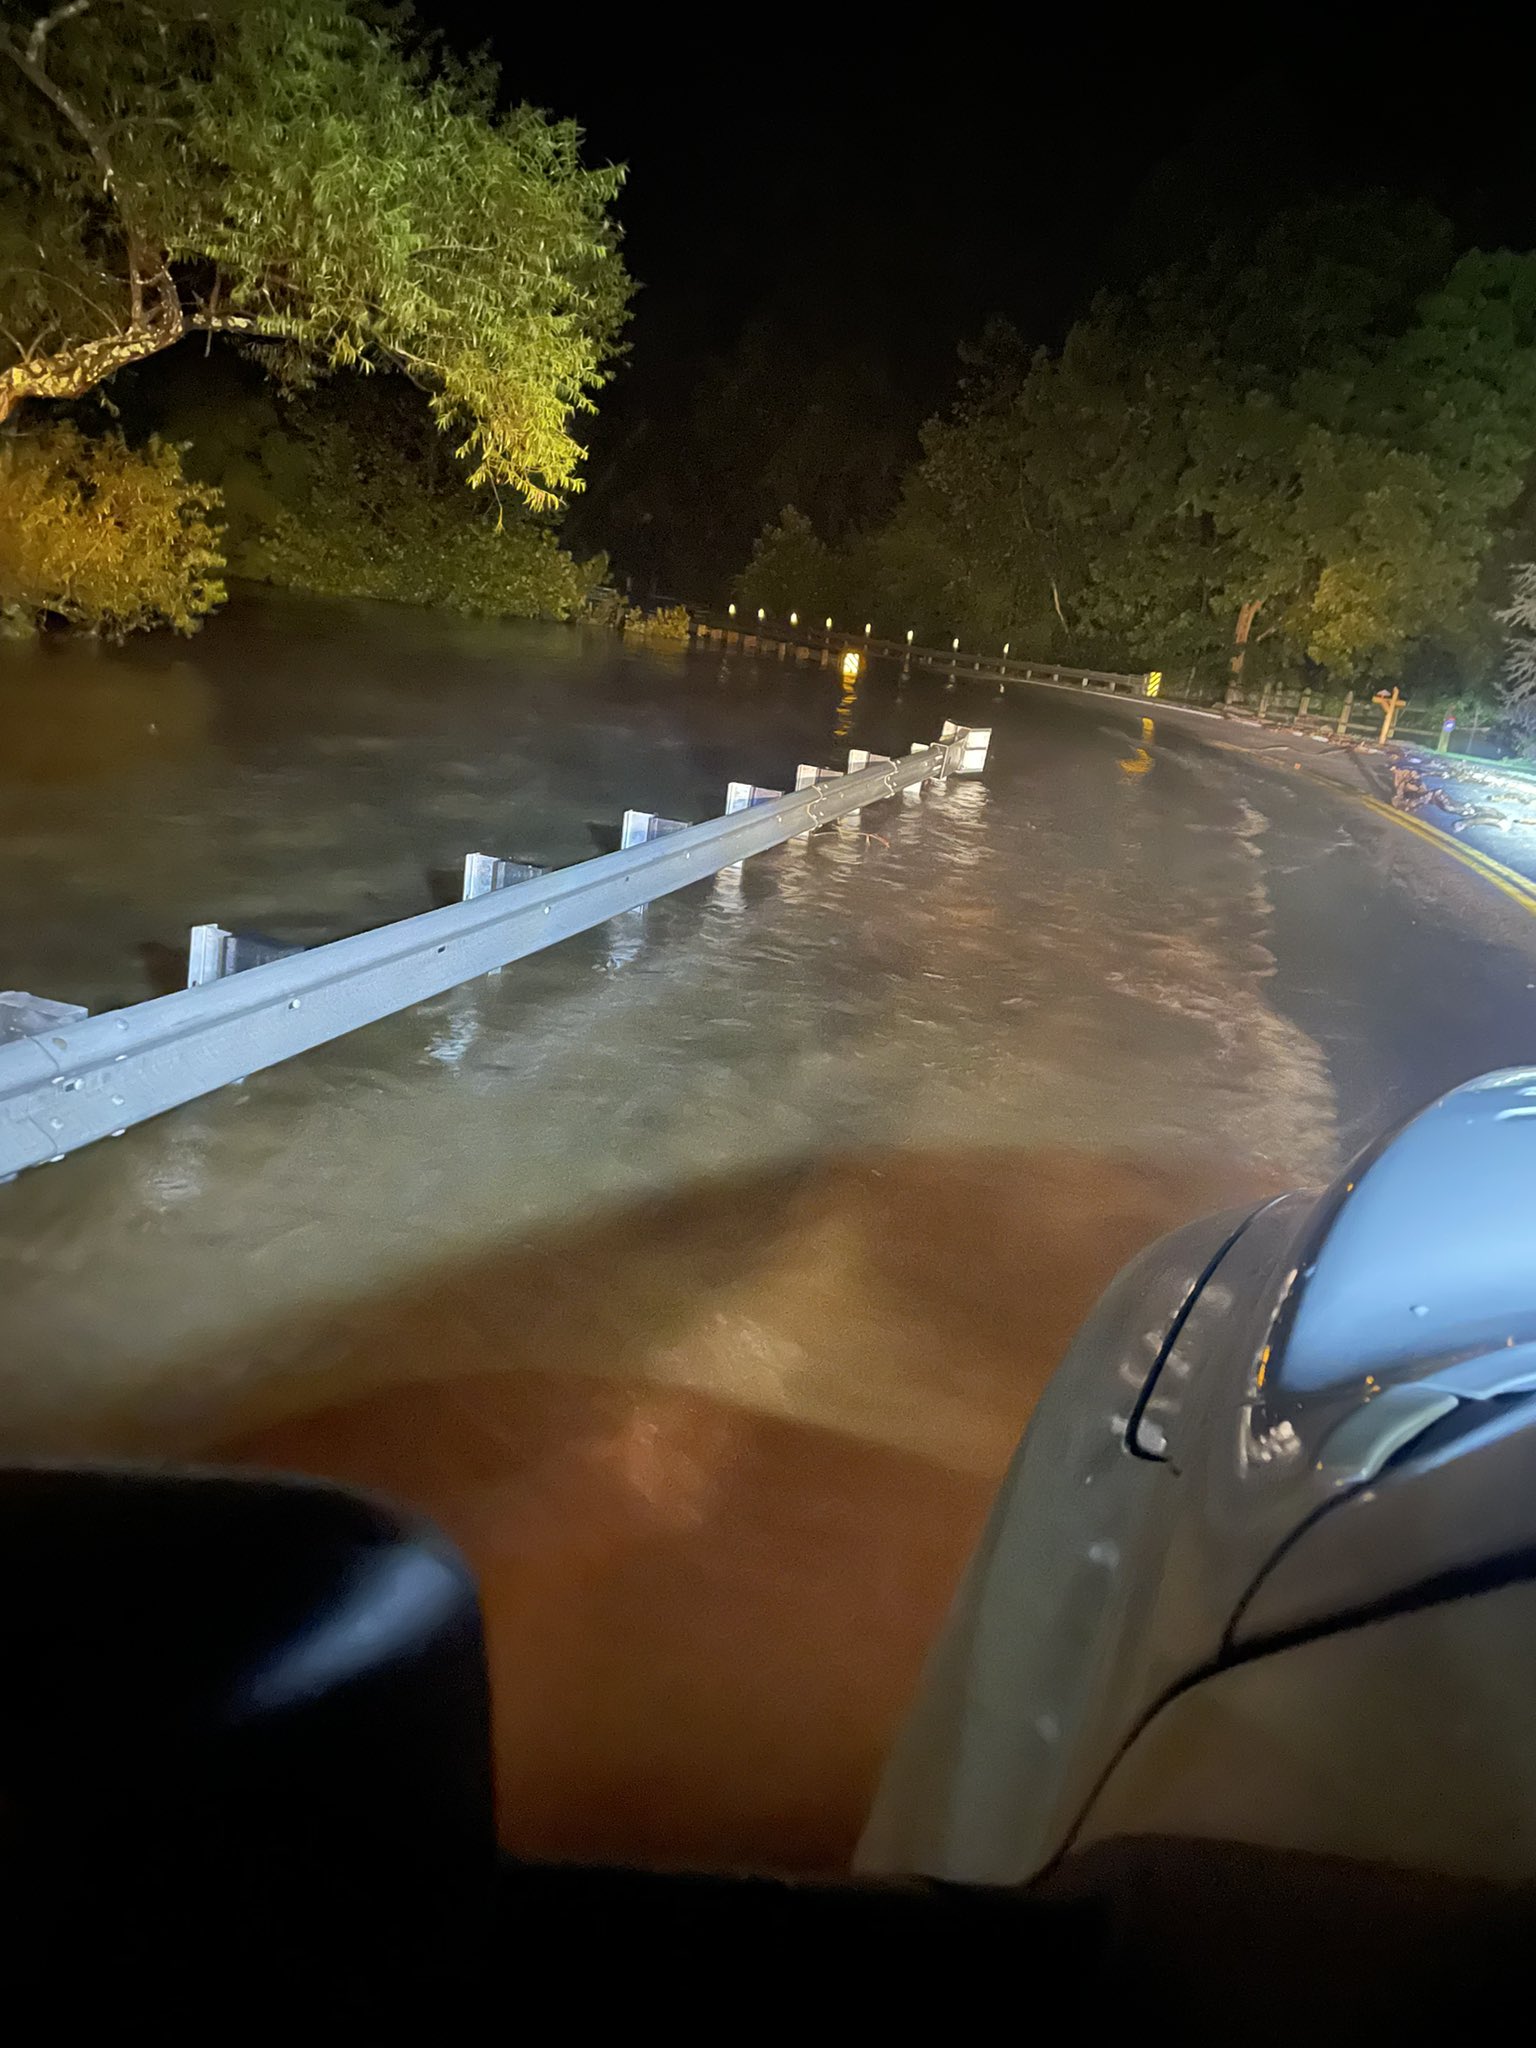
pixel 699 1274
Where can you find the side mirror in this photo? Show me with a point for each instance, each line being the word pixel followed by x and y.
pixel 243 1736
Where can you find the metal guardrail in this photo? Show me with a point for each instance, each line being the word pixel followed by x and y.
pixel 724 627
pixel 71 1079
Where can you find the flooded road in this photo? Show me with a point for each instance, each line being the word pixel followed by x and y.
pixel 700 1273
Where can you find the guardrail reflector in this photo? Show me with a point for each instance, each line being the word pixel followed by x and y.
pixel 973 742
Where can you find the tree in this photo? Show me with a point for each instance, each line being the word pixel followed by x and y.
pixel 1312 450
pixel 369 503
pixel 791 569
pixel 306 175
pixel 1517 683
pixel 106 536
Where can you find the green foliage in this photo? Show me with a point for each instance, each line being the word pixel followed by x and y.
pixel 106 536
pixel 307 175
pixel 1325 435
pixel 368 507
pixel 791 569
pixel 667 626
pixel 1517 677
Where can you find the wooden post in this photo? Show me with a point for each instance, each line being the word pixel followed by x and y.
pixel 1247 613
pixel 1263 702
pixel 1301 708
pixel 1341 730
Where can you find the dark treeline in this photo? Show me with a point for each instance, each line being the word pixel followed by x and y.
pixel 1307 449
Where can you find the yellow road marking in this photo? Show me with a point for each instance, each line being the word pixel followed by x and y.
pixel 1515 886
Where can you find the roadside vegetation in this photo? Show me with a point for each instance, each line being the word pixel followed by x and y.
pixel 101 535
pixel 1302 462
pixel 316 184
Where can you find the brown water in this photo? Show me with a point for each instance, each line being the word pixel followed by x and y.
pixel 700 1274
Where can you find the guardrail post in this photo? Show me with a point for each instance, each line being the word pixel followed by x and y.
pixel 640 826
pixel 213 952
pixel 740 796
pixel 28 1016
pixel 484 872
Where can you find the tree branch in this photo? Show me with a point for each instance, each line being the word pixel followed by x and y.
pixel 231 323
pixel 29 62
pixel 107 318
pixel 45 24
pixel 70 372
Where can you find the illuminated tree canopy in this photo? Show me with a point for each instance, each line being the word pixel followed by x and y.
pixel 1312 442
pixel 308 176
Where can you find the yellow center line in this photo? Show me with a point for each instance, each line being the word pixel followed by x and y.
pixel 1517 887
pixel 1508 881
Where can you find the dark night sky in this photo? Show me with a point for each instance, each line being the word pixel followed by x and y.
pixel 867 197
pixel 832 171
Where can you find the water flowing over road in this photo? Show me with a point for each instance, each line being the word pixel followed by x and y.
pixel 698 1273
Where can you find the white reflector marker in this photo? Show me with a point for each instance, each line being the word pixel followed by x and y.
pixel 974 740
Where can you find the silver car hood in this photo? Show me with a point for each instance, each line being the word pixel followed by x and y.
pixel 1238 1381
